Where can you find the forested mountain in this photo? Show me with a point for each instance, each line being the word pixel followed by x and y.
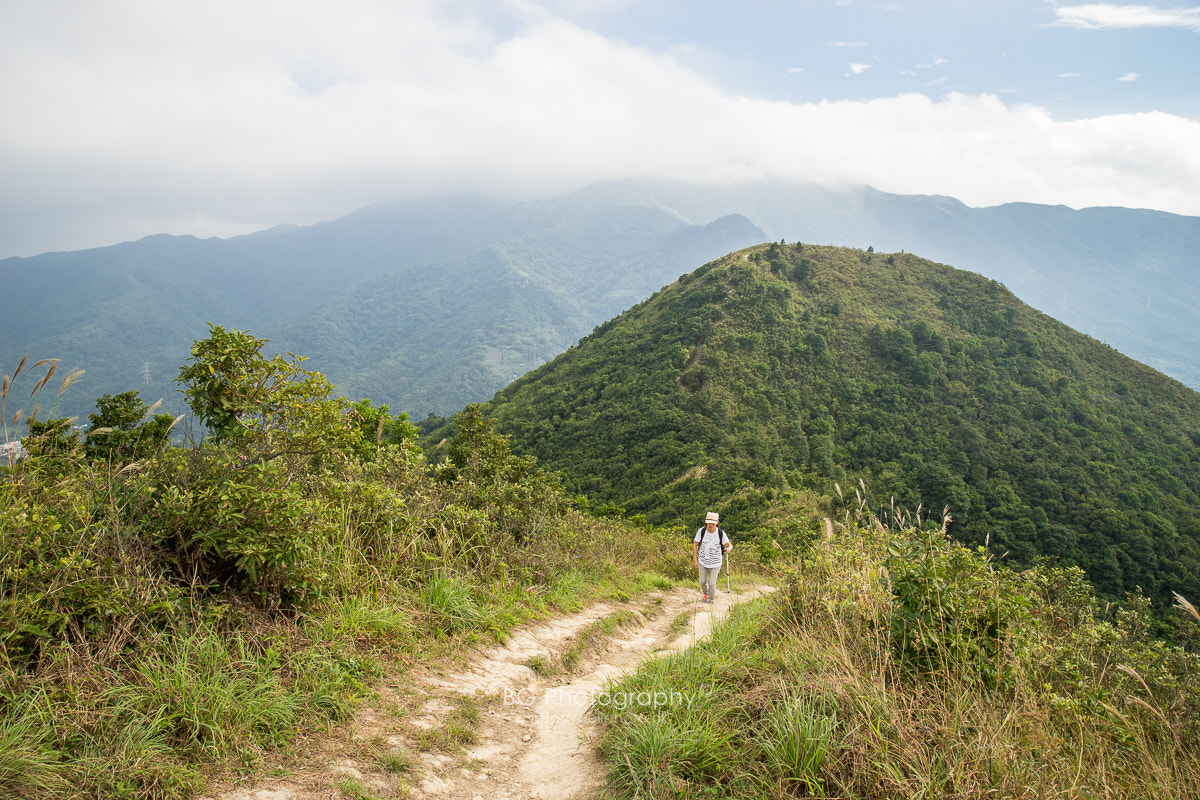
pixel 423 306
pixel 1129 277
pixel 438 338
pixel 427 305
pixel 127 314
pixel 800 366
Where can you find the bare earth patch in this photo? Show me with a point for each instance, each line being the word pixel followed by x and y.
pixel 512 724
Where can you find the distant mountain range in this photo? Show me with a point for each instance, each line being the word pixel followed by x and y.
pixel 431 304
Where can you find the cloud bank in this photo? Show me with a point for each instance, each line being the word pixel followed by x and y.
pixel 135 118
pixel 1101 16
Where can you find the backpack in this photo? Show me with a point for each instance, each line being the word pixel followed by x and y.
pixel 722 537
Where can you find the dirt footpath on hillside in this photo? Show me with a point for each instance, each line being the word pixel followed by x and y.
pixel 512 724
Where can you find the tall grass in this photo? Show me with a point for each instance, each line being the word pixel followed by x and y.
pixel 823 691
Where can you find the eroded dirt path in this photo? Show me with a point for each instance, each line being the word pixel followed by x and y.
pixel 513 724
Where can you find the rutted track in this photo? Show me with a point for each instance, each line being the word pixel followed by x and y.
pixel 533 737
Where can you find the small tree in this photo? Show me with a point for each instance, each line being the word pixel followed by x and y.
pixel 377 427
pixel 266 408
pixel 124 429
pixel 52 437
pixel 243 514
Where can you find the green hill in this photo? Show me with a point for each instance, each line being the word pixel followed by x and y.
pixel 786 366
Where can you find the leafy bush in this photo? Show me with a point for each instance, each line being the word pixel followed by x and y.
pixel 70 572
pixel 952 609
pixel 124 429
pixel 267 409
pixel 228 523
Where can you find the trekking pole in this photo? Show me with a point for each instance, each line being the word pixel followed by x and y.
pixel 728 561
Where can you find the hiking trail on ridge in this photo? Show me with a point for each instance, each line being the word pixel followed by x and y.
pixel 512 725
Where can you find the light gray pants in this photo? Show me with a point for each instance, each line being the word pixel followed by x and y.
pixel 708 580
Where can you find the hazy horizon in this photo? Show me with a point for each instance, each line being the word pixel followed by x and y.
pixel 125 119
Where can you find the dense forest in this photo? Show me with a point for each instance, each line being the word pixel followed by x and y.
pixel 843 370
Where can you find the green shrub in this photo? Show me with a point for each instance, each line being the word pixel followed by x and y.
pixel 70 572
pixel 952 608
pixel 228 523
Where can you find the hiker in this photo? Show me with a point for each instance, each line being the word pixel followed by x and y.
pixel 707 550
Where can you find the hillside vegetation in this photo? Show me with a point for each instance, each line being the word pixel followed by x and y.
pixel 786 366
pixel 433 303
pixel 897 663
pixel 174 614
pixel 1124 276
pixel 423 306
pixel 168 613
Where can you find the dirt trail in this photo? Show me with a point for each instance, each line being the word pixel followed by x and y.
pixel 532 735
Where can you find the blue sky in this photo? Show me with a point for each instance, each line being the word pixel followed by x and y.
pixel 123 118
pixel 1074 59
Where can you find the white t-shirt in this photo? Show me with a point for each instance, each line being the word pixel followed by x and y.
pixel 710 547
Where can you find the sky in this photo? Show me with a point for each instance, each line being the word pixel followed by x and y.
pixel 125 118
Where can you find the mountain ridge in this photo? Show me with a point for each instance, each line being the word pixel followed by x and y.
pixel 128 313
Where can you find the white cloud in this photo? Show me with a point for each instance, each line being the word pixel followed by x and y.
pixel 1069 75
pixel 238 116
pixel 1097 16
pixel 858 69
pixel 1128 77
pixel 845 44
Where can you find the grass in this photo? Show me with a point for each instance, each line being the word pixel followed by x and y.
pixel 140 726
pixel 353 788
pixel 449 602
pixel 567 592
pixel 808 693
pixel 458 728
pixel 796 740
pixel 680 623
pixel 398 762
pixel 29 764
pixel 582 646
pixel 541 666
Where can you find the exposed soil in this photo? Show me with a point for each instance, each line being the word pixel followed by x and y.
pixel 512 724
